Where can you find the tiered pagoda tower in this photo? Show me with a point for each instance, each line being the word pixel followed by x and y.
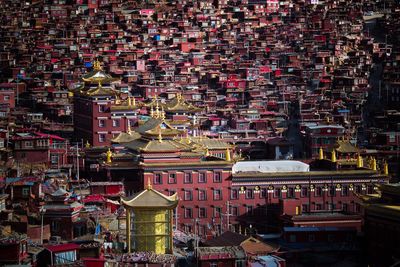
pixel 149 217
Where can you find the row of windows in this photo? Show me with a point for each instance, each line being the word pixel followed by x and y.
pixel 304 191
pixel 187 178
pixel 277 192
pixel 202 195
pixel 202 212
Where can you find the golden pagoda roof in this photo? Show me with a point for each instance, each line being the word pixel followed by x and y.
pixel 344 146
pixel 98 75
pixel 179 104
pixel 154 126
pixel 125 137
pixel 210 143
pixel 99 90
pixel 156 145
pixel 150 199
pixel 126 104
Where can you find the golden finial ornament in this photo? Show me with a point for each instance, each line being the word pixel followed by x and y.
pixel 149 186
pixel 129 131
pixel 227 155
pixel 159 136
pixel 152 112
pixel 373 164
pixel 385 168
pixel 129 101
pixel 320 154
pixel 134 101
pixel 162 113
pixel 333 156
pixel 87 145
pixel 157 115
pixel 207 152
pixel 108 155
pixel 97 65
pixel 360 161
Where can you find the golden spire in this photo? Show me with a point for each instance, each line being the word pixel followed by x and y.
pixel 159 135
pixel 333 156
pixel 108 155
pixel 157 115
pixel 373 164
pixel 134 101
pixel 207 152
pixel 87 145
pixel 360 162
pixel 100 86
pixel 149 186
pixel 162 113
pixel 129 131
pixel 129 101
pixel 97 65
pixel 385 168
pixel 117 100
pixel 152 112
pixel 227 155
pixel 320 154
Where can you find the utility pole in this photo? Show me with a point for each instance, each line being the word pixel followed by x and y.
pixel 227 215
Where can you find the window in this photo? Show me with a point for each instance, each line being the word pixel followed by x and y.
pixel 202 177
pixel 188 195
pixel 217 194
pixel 65 257
pixel 157 178
pixel 55 226
pixel 304 192
pixel 345 207
pixel 172 178
pixel 277 193
pixel 358 189
pixel 311 238
pixel 28 144
pixel 188 213
pixel 102 108
pixel 292 238
pixel 249 210
pixel 188 178
pixel 249 194
pixel 318 191
pixel 202 213
pixel 290 192
pixel 217 177
pixel 345 191
pixel 102 123
pixel 116 123
pixel 54 159
pixel 6 97
pixel 304 208
pixel 234 211
pixel 263 193
pixel 332 191
pixel 217 212
pixel 234 193
pixel 25 191
pixel 102 138
pixel 213 264
pixel 202 195
pixel 318 206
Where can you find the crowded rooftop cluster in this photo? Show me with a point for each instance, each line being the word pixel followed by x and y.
pixel 198 132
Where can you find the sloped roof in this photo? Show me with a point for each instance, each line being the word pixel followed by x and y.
pixel 150 199
pixel 344 146
pixel 270 166
pixel 228 238
pixel 125 137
